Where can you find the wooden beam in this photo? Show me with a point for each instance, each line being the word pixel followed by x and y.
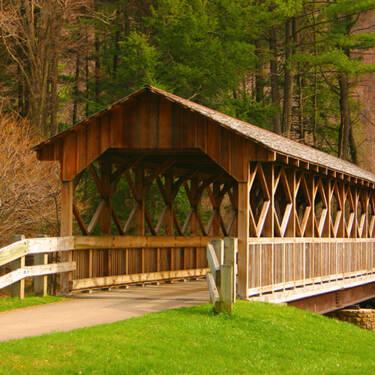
pixel 66 229
pixel 140 199
pixel 79 219
pixel 100 282
pixel 243 236
pixel 31 271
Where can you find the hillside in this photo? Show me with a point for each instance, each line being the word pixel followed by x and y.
pixel 257 339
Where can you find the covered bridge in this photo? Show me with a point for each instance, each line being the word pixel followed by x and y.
pixel 304 219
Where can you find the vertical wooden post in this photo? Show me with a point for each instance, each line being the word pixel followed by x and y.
pixel 341 233
pixel 367 219
pixel 355 194
pixel 243 237
pixel 291 227
pixel 215 230
pixel 140 214
pixel 40 282
pixel 226 290
pixel 18 289
pixel 218 245
pixel 106 213
pixel 194 225
pixel 328 223
pixel 230 257
pixel 269 224
pixel 66 229
pixel 310 226
pixel 169 221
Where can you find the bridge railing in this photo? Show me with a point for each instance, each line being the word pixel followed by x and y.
pixel 104 261
pixel 284 269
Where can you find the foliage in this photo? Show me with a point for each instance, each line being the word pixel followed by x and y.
pixel 288 66
pixel 29 190
pixel 257 339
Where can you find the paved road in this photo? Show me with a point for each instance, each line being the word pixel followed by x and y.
pixel 86 309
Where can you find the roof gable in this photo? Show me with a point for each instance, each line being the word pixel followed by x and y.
pixel 270 143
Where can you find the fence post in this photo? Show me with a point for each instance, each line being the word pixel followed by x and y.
pixel 222 276
pixel 40 282
pixel 230 256
pixel 226 288
pixel 218 245
pixel 18 288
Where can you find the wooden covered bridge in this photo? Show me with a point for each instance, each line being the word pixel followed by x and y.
pixel 304 219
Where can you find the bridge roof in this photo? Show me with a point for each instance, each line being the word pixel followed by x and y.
pixel 267 139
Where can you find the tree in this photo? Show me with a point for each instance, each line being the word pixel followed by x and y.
pixel 29 190
pixel 32 33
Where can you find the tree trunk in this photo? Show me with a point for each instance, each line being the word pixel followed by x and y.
pixel 288 79
pixel 97 68
pixel 260 80
pixel 275 91
pixel 116 54
pixel 54 99
pixel 87 74
pixel 76 89
pixel 353 147
pixel 300 109
pixel 345 123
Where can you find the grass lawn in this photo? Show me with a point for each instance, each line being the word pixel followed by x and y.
pixel 11 303
pixel 256 339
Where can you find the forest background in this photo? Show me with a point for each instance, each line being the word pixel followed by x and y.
pixel 292 66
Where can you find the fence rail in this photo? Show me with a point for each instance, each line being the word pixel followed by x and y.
pixel 102 261
pixel 286 269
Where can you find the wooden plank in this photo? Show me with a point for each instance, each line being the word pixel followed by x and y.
pixel 106 212
pixel 218 246
pixel 69 158
pixel 50 244
pixel 100 282
pixel 213 261
pixel 214 294
pixel 31 271
pixel 79 219
pixel 95 217
pixel 243 236
pixel 13 251
pixel 133 242
pixel 230 256
pixel 53 244
pixel 226 288
pixel 40 283
pixel 66 229
pixel 314 289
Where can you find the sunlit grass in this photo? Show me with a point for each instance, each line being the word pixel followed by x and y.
pixel 11 303
pixel 256 339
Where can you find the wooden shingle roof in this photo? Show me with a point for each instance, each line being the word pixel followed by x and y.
pixel 267 139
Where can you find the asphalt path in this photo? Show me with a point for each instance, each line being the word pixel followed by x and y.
pixel 99 307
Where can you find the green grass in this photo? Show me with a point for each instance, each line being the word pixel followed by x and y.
pixel 11 303
pixel 256 339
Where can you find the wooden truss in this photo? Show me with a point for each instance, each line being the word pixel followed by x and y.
pixel 212 199
pixel 287 201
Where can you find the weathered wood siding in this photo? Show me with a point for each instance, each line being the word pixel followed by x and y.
pixel 150 122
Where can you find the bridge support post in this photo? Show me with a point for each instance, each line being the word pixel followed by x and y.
pixel 243 238
pixel 66 229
